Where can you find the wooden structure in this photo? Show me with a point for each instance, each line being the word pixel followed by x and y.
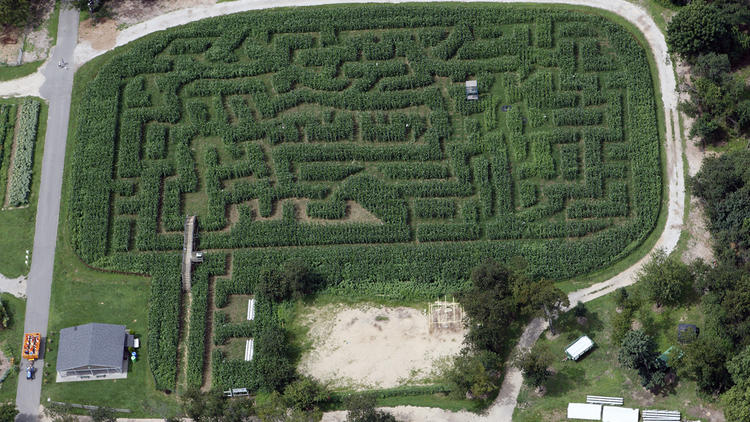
pixel 472 90
pixel 187 253
pixel 445 315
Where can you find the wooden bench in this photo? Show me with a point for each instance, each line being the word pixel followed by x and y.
pixel 661 416
pixel 611 401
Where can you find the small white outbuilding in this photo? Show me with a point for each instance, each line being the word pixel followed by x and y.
pixel 584 411
pixel 577 348
pixel 619 414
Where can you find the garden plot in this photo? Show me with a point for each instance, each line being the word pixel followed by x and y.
pixel 374 347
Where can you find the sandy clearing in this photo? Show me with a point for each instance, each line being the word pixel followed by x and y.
pixel 101 36
pixel 373 346
pixel 22 87
pixel 15 286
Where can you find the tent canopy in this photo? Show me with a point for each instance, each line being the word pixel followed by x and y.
pixel 619 414
pixel 589 412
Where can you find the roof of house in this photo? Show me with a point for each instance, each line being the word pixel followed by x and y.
pixel 590 412
pixel 92 344
pixel 579 347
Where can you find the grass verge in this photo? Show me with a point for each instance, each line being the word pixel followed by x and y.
pixel 17 225
pixel 13 72
pixel 10 342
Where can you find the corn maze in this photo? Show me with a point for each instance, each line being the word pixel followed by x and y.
pixel 342 137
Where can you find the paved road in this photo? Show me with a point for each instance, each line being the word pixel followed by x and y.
pixel 57 89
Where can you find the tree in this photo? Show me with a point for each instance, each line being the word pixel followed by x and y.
pixel 361 408
pixel 304 394
pixel 704 362
pixel 474 373
pixel 59 413
pixel 490 305
pixel 724 185
pixel 292 281
pixel 715 67
pixel 193 403
pixel 533 364
pixel 14 12
pixel 272 409
pixel 272 363
pixel 665 280
pixel 700 28
pixel 736 404
pixel 238 410
pixel 8 412
pixel 739 367
pixel 103 414
pixel 638 351
pixel 550 300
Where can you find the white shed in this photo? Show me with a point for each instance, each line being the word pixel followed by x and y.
pixel 589 412
pixel 619 414
pixel 577 348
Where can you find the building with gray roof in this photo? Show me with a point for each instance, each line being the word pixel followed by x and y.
pixel 93 351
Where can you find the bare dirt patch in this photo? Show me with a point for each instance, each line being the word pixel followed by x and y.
pixel 34 38
pixel 129 12
pixel 699 244
pixel 101 36
pixel 374 347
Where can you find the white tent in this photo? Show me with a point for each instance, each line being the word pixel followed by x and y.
pixel 619 414
pixel 577 348
pixel 589 412
pixel 251 309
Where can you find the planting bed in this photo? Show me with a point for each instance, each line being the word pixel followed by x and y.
pixel 342 136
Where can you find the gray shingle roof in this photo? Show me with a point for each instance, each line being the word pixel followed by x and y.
pixel 92 344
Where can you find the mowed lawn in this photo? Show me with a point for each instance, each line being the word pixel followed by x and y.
pixel 80 296
pixel 598 372
pixel 17 225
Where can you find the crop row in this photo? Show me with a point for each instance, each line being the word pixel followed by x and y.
pixel 213 264
pixel 23 157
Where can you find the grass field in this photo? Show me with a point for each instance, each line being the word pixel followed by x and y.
pixel 17 225
pixel 598 372
pixel 271 149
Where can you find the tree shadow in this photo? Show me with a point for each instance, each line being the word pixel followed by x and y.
pixel 573 327
pixel 570 376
